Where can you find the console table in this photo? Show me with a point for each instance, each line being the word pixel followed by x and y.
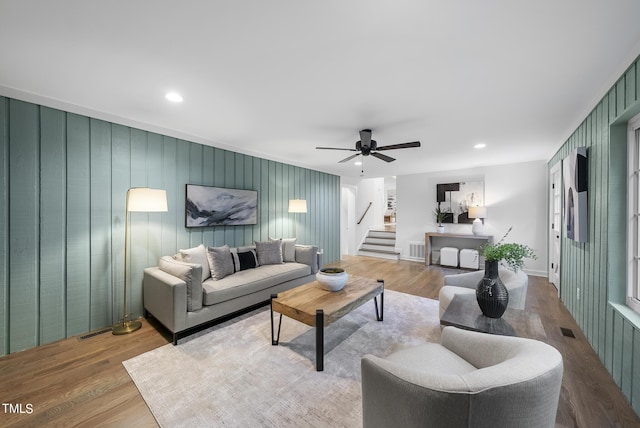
pixel 460 240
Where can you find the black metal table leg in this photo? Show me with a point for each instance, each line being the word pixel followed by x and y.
pixel 319 340
pixel 274 339
pixel 380 314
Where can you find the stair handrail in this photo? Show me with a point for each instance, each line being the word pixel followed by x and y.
pixel 365 212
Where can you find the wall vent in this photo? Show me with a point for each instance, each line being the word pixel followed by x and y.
pixel 567 332
pixel 416 249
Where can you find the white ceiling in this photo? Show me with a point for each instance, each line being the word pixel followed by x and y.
pixel 277 78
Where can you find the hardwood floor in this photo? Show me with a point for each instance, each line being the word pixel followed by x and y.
pixel 77 382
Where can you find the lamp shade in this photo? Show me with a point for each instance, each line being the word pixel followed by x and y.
pixel 477 212
pixel 297 205
pixel 144 199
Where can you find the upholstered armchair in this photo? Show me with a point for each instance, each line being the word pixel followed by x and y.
pixel 469 380
pixel 465 283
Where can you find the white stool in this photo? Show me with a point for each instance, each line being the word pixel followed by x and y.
pixel 469 259
pixel 449 256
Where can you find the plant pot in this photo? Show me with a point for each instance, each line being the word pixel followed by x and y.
pixel 440 229
pixel 491 293
pixel 332 279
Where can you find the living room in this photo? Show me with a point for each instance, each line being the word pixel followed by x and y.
pixel 67 165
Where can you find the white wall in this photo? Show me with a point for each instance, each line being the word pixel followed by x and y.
pixel 515 195
pixel 348 244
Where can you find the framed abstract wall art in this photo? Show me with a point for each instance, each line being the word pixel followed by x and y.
pixel 575 194
pixel 207 206
pixel 456 198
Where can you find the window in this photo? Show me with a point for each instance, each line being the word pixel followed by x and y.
pixel 633 204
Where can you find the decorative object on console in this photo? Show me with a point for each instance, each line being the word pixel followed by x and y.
pixel 297 206
pixel 491 293
pixel 439 216
pixel 139 199
pixel 214 206
pixel 332 279
pixel 479 214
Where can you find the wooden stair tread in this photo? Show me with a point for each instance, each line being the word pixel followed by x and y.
pixel 380 251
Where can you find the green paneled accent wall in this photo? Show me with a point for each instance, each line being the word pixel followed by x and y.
pixel 598 267
pixel 62 201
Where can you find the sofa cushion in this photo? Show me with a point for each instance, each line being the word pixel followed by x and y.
pixel 432 358
pixel 197 255
pixel 220 262
pixel 243 260
pixel 251 280
pixel 269 252
pixel 191 274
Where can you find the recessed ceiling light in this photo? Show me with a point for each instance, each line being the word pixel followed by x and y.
pixel 480 146
pixel 174 97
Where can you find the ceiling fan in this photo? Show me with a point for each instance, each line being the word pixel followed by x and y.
pixel 366 146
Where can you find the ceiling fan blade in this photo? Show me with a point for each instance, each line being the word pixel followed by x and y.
pixel 349 158
pixel 365 137
pixel 383 157
pixel 400 146
pixel 335 148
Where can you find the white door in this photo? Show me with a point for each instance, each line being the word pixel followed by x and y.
pixel 555 223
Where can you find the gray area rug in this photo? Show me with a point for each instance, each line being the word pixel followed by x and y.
pixel 231 375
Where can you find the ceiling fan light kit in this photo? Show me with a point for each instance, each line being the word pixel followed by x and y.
pixel 366 146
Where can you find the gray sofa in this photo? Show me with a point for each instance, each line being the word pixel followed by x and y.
pixel 469 380
pixel 198 286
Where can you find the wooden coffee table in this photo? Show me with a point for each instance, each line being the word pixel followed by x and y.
pixel 315 307
pixel 464 312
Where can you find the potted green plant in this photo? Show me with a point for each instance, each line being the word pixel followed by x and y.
pixel 513 254
pixel 491 293
pixel 439 216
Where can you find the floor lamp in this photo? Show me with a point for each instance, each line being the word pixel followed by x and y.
pixel 139 199
pixel 297 206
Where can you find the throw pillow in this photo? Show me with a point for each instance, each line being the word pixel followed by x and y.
pixel 190 274
pixel 220 262
pixel 243 260
pixel 288 249
pixel 197 255
pixel 308 254
pixel 246 248
pixel 269 252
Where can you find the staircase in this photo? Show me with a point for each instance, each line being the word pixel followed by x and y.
pixel 380 243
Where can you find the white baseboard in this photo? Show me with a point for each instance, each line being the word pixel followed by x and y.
pixel 541 273
pixel 412 259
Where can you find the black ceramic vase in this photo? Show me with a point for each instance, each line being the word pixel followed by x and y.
pixel 491 293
